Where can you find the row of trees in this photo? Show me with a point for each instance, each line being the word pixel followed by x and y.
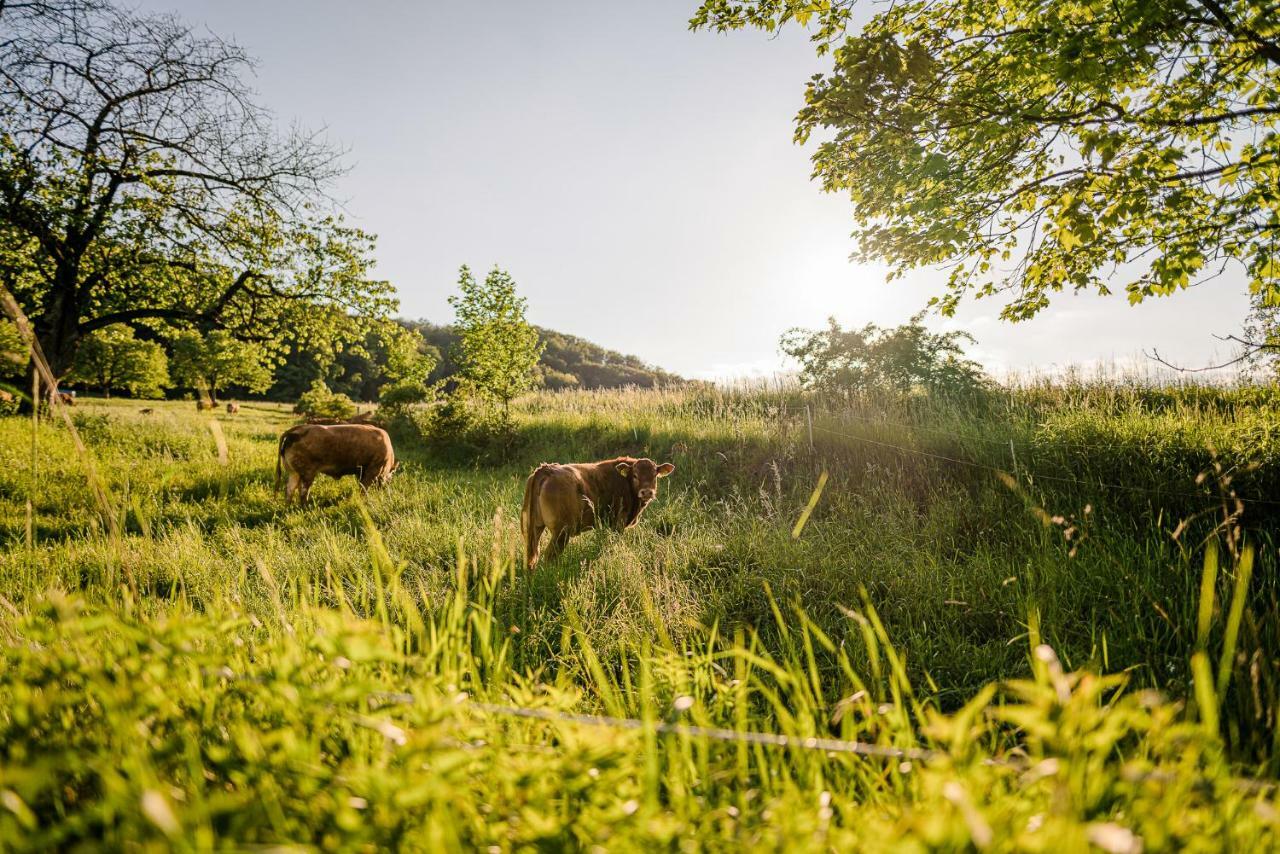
pixel 491 350
pixel 115 359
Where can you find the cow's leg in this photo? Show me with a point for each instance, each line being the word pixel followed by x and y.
pixel 291 486
pixel 303 491
pixel 559 539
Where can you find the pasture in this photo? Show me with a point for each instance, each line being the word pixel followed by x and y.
pixel 1038 607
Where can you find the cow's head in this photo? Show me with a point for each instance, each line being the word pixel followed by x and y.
pixel 385 477
pixel 643 476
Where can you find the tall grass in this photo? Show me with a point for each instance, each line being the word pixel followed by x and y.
pixel 222 669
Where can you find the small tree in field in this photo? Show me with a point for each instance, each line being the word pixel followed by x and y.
pixel 214 361
pixel 898 360
pixel 112 359
pixel 498 350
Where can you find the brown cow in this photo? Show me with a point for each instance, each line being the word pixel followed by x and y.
pixel 66 398
pixel 569 499
pixel 232 407
pixel 336 450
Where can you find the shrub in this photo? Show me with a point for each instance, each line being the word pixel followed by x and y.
pixel 402 395
pixel 320 402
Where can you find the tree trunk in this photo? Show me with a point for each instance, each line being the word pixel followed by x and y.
pixel 58 328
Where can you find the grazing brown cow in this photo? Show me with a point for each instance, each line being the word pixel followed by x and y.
pixel 336 450
pixel 232 408
pixel 569 499
pixel 66 398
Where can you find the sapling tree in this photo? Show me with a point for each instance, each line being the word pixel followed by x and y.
pixel 498 349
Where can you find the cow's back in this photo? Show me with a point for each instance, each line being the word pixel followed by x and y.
pixel 338 449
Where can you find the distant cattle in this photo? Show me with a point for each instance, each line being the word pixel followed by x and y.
pixel 66 398
pixel 337 450
pixel 146 411
pixel 569 499
pixel 232 408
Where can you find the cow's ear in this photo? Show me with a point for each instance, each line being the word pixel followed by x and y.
pixel 666 469
pixel 624 469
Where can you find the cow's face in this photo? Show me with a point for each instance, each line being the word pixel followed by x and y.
pixel 643 476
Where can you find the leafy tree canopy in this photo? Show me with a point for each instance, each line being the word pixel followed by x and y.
pixel 112 359
pixel 1036 147
pixel 497 351
pixel 901 359
pixel 406 355
pixel 140 183
pixel 210 363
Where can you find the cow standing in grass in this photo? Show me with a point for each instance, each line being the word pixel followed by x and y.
pixel 337 450
pixel 569 499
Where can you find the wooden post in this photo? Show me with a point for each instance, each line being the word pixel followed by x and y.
pixel 808 418
pixel 1014 455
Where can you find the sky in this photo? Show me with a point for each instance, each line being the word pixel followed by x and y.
pixel 638 181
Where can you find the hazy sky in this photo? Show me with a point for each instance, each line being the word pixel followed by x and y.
pixel 638 180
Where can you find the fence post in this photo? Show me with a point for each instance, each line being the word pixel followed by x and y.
pixel 808 418
pixel 1014 454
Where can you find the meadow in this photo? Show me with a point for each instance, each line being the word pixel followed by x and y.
pixel 1048 615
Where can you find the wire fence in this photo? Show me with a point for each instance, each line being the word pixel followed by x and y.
pixel 770 739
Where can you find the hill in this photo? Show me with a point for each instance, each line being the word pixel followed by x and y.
pixel 567 362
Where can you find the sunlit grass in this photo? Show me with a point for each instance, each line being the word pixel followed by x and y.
pixel 207 673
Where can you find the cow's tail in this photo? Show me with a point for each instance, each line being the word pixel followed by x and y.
pixel 530 520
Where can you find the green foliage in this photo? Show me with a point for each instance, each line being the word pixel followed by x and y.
pixel 358 358
pixel 497 352
pixel 1042 147
pixel 871 359
pixel 320 402
pixel 404 394
pixel 215 361
pixel 13 351
pixel 113 359
pixel 407 356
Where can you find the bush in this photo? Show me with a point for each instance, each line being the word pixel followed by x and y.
pixel 468 425
pixel 320 402
pixel 402 395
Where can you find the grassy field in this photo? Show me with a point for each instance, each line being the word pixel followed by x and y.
pixel 199 665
